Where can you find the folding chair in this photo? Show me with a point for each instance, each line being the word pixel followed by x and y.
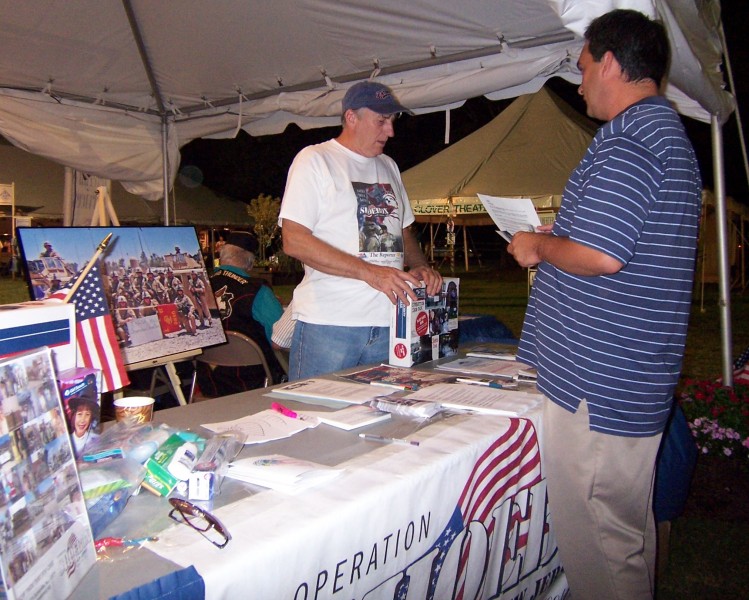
pixel 239 351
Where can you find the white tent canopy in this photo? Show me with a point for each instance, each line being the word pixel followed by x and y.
pixel 115 89
pixel 107 87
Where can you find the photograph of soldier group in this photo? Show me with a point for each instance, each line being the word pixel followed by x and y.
pixel 137 292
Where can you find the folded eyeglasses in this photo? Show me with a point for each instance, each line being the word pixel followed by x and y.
pixel 201 521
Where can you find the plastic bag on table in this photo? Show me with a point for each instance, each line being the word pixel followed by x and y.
pixel 107 487
pixel 123 440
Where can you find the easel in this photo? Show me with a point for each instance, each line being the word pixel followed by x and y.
pixel 104 215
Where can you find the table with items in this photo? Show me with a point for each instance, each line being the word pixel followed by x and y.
pixel 455 507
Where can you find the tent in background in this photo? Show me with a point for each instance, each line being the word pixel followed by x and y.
pixel 738 230
pixel 528 150
pixel 39 194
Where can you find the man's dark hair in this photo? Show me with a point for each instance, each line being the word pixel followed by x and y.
pixel 639 44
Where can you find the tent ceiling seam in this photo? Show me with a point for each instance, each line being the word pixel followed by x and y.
pixel 186 112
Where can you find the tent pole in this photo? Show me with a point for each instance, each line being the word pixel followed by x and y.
pixel 68 195
pixel 465 246
pixel 724 293
pixel 165 167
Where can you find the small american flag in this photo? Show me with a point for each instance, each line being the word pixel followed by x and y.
pixel 97 342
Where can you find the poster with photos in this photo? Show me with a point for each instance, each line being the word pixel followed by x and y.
pixel 46 546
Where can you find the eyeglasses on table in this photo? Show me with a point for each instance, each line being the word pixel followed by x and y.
pixel 201 521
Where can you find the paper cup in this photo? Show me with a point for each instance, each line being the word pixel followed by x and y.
pixel 134 409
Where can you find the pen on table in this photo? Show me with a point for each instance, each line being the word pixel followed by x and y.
pixel 484 382
pixel 280 408
pixel 387 440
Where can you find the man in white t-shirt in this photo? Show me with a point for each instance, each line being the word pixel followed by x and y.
pixel 340 197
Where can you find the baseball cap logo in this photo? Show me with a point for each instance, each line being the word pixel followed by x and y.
pixel 383 94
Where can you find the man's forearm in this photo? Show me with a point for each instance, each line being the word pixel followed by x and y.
pixel 530 249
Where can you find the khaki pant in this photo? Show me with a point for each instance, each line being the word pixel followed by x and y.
pixel 601 502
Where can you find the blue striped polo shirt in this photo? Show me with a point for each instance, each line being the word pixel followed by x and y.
pixel 617 341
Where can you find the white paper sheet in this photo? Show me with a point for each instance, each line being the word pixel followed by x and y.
pixel 511 215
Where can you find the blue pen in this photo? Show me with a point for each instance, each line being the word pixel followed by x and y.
pixel 484 382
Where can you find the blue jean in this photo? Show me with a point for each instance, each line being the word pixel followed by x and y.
pixel 319 349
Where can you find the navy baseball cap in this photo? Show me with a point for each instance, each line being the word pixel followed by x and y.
pixel 374 96
pixel 243 240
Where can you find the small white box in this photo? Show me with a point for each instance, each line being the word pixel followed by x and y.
pixel 30 325
pixel 426 329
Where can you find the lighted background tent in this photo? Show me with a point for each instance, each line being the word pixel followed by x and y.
pixel 528 150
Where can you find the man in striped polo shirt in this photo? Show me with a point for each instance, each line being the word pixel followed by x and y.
pixel 607 319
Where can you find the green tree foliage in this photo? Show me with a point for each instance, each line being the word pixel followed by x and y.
pixel 264 211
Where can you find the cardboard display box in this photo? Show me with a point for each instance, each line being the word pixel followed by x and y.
pixel 30 325
pixel 426 329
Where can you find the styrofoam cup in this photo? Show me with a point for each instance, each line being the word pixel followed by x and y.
pixel 134 409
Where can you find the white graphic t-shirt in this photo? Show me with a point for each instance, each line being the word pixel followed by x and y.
pixel 358 205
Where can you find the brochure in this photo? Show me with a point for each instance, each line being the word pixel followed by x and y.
pixel 496 351
pixel 282 473
pixel 506 369
pixel 511 215
pixel 400 378
pixel 407 406
pixel 331 389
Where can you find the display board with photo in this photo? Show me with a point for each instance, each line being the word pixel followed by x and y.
pixel 154 279
pixel 46 545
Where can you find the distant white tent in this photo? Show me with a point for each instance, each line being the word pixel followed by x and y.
pixel 39 194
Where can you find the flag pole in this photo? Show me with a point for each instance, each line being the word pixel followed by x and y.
pixel 99 249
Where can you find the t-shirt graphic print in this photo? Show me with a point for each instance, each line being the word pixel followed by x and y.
pixel 380 228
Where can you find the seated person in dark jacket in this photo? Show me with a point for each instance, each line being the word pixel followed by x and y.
pixel 246 304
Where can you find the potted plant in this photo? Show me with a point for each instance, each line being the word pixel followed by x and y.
pixel 718 417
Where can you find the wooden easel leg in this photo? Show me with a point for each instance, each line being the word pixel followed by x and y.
pixel 175 382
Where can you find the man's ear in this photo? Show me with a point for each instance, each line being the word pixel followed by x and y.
pixel 610 67
pixel 350 117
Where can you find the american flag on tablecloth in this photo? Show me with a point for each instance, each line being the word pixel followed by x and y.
pixel 741 368
pixel 512 462
pixel 97 342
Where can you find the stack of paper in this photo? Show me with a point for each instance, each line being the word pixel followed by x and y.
pixel 408 406
pixel 507 369
pixel 351 417
pixel 282 473
pixel 479 399
pixel 330 389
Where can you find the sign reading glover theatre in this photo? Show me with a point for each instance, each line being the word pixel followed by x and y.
pixel 497 543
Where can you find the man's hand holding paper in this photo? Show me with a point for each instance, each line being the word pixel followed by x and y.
pixel 511 214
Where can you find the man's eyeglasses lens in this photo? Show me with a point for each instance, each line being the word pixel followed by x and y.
pixel 204 523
